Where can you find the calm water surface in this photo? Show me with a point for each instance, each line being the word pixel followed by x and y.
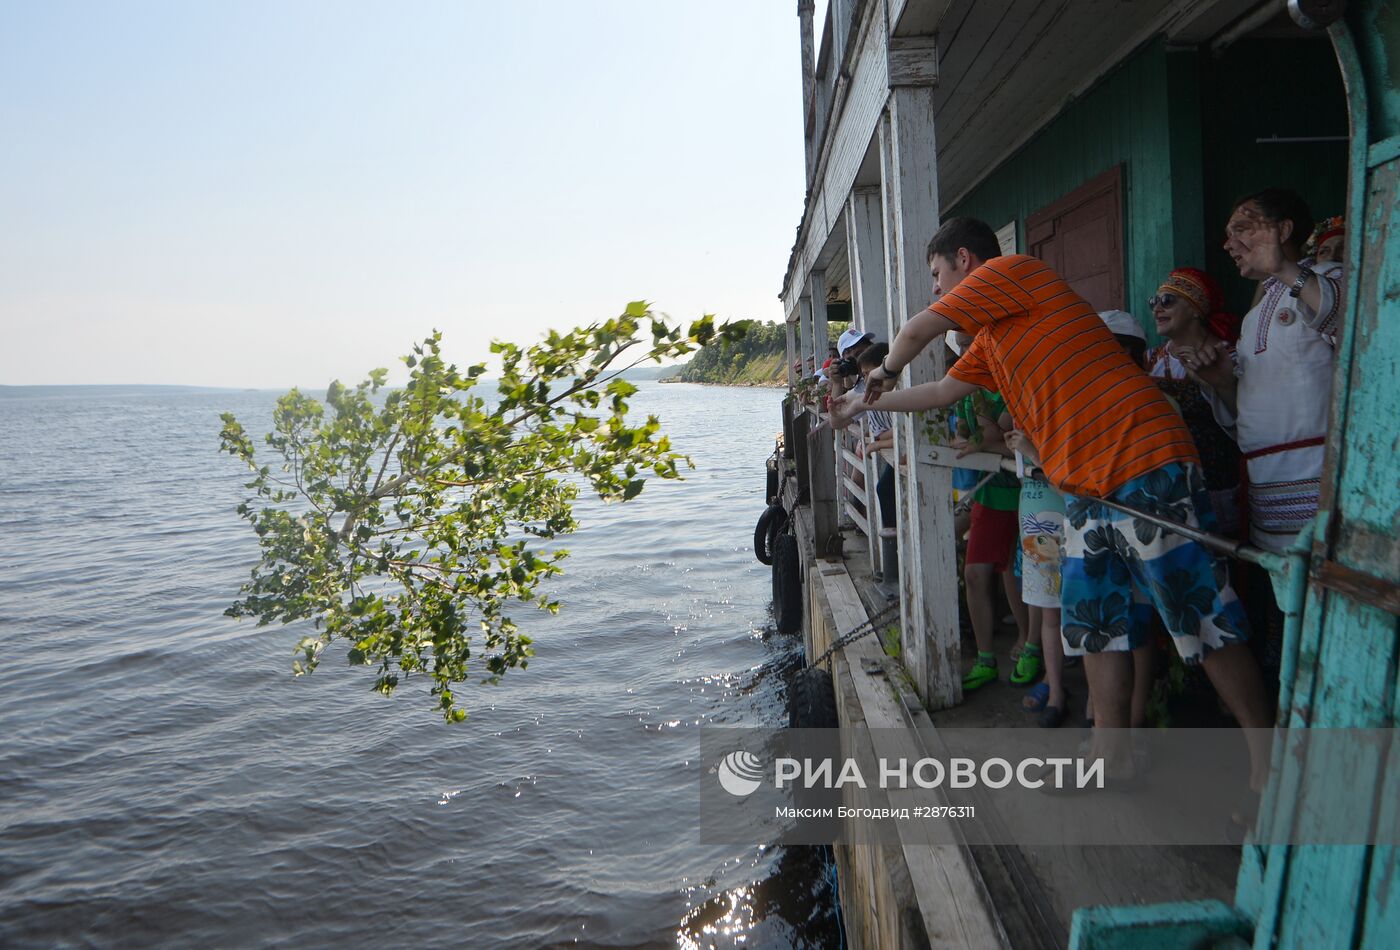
pixel 165 781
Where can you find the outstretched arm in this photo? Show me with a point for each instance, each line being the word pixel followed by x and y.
pixel 918 332
pixel 942 392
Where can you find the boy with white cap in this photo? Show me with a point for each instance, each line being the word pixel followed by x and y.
pixel 848 347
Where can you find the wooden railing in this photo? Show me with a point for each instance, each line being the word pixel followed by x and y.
pixel 863 492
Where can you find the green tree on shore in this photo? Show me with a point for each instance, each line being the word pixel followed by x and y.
pixel 406 523
pixel 728 360
pixel 759 356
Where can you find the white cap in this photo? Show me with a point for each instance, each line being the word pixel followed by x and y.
pixel 951 338
pixel 1122 324
pixel 850 338
pixel 821 374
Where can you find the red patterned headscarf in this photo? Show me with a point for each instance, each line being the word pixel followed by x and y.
pixel 1200 290
pixel 1327 228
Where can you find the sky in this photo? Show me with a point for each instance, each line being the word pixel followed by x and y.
pixel 261 194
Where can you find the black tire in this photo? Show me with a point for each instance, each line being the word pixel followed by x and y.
pixel 772 486
pixel 812 705
pixel 770 525
pixel 776 529
pixel 787 584
pixel 812 700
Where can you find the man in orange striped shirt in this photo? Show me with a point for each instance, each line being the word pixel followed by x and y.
pixel 1103 430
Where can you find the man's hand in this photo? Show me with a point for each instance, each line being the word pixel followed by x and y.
pixel 877 381
pixel 1262 247
pixel 844 410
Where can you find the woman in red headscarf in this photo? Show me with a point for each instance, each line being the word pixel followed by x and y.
pixel 1190 312
pixel 1190 315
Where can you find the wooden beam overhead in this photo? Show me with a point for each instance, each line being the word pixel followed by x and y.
pixel 844 147
pixel 913 61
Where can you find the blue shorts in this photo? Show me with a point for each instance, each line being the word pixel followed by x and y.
pixel 1107 554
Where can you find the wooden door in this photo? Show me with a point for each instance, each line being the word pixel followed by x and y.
pixel 1081 237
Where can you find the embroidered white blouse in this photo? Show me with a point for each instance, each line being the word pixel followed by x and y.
pixel 1284 363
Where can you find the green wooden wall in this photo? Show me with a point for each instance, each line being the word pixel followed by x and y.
pixel 1184 124
pixel 1142 116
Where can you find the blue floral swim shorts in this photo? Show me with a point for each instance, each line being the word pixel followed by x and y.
pixel 1107 554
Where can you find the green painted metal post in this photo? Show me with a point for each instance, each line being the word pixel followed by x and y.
pixel 1159 927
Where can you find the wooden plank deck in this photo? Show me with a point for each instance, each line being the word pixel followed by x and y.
pixel 954 904
pixel 981 894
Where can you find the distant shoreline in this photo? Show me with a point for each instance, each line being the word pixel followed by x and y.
pixel 8 391
pixel 695 382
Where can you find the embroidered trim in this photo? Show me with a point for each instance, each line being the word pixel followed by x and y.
pixel 1273 486
pixel 1273 290
pixel 1283 506
pixel 1328 325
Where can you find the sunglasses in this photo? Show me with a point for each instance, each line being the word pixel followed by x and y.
pixel 1161 300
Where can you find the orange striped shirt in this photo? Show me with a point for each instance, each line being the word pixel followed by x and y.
pixel 1098 420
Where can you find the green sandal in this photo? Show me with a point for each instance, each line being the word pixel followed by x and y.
pixel 1027 666
pixel 982 673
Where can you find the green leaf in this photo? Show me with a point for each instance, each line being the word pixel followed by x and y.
pixel 621 387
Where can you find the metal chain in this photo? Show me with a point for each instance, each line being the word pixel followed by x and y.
pixel 863 630
pixel 777 459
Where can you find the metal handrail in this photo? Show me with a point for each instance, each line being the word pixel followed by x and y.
pixel 1228 546
pixel 945 457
